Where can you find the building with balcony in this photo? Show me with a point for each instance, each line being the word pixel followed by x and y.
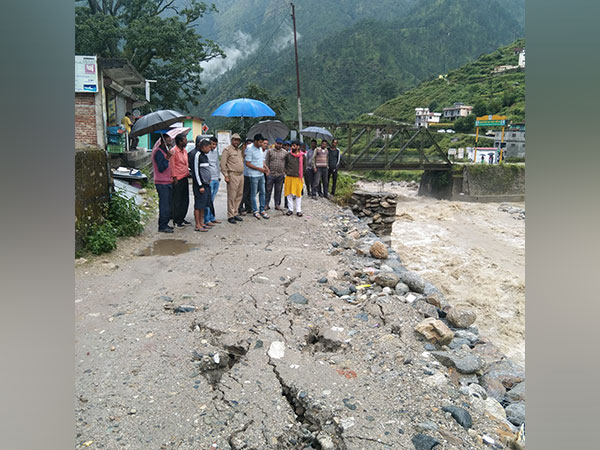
pixel 423 117
pixel 458 110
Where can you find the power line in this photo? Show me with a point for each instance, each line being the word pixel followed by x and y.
pixel 249 19
pixel 266 43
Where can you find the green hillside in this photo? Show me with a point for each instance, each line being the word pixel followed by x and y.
pixel 473 84
pixel 354 70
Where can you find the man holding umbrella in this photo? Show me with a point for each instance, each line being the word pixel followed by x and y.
pixel 163 180
pixel 180 171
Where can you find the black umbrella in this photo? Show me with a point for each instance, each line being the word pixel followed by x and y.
pixel 154 121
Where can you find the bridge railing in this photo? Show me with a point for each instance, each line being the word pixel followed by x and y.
pixel 386 146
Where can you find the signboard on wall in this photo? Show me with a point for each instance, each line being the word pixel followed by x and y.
pixel 224 140
pixel 86 74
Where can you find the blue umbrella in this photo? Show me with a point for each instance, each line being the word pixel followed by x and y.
pixel 243 107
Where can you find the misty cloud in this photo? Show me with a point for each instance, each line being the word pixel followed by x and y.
pixel 285 38
pixel 243 47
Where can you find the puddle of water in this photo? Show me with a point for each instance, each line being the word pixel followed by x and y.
pixel 168 247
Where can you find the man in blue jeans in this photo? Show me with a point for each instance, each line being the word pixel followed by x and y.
pixel 215 179
pixel 257 169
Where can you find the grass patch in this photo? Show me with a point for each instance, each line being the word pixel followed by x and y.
pixel 122 217
pixel 346 184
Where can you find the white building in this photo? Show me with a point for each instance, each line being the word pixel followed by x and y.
pixel 424 117
pixel 458 110
pixel 522 58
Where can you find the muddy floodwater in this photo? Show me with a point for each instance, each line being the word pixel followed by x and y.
pixel 473 252
pixel 168 247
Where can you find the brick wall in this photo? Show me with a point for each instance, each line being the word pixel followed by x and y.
pixel 85 120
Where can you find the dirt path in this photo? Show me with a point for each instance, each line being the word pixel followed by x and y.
pixel 268 356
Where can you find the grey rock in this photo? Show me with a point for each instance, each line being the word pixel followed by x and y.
pixel 464 362
pixel 349 405
pixel 426 309
pixel 387 279
pixel 362 316
pixel 424 442
pixel 515 413
pixel 426 426
pixel 505 371
pixel 474 390
pixel 464 334
pixel 184 309
pixel 429 347
pixel 166 298
pixel 298 298
pixel 493 388
pixel 517 393
pixel 458 343
pixel 461 317
pixel 413 280
pixel 402 288
pixel 461 415
pixel 340 291
pixel 349 243
pixel 323 280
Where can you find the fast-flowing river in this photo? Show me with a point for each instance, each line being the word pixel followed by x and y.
pixel 473 252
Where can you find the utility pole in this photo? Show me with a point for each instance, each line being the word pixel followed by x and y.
pixel 297 72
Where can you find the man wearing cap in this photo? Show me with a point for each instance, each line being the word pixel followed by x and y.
pixel 287 145
pixel 255 161
pixel 232 167
pixel 245 206
pixel 275 161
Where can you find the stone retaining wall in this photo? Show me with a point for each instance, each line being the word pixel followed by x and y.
pixel 476 182
pixel 377 209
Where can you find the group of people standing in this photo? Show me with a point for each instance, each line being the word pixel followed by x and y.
pixel 250 169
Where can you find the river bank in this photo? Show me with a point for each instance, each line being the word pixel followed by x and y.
pixel 473 252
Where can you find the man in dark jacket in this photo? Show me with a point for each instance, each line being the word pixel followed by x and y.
pixel 200 169
pixel 334 162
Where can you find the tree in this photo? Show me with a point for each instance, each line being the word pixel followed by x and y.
pixel 387 89
pixel 156 36
pixel 465 124
pixel 480 108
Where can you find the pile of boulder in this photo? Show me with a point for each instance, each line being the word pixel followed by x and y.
pixel 487 377
pixel 377 209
